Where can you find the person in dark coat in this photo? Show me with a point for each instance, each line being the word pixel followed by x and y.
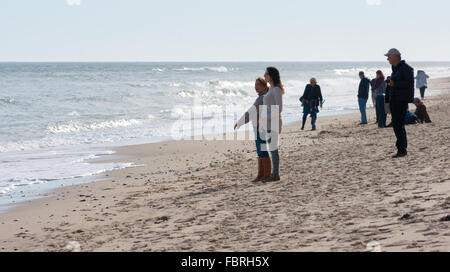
pixel 387 99
pixel 421 111
pixel 311 99
pixel 402 85
pixel 363 96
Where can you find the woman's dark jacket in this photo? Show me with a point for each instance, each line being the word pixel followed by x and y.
pixel 312 98
pixel 312 93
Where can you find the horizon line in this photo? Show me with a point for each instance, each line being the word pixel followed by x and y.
pixel 209 61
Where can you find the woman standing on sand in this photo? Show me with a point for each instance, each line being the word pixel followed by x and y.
pixel 380 89
pixel 270 121
pixel 264 163
pixel 421 82
pixel 311 99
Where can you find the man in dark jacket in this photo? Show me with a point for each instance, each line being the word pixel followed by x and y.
pixel 402 87
pixel 363 96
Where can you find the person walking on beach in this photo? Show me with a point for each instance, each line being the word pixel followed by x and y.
pixel 421 111
pixel 380 90
pixel 264 163
pixel 421 82
pixel 402 84
pixel 311 99
pixel 270 121
pixel 363 96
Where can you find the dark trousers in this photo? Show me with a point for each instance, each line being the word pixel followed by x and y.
pixel 398 112
pixel 422 92
pixel 381 112
pixel 275 162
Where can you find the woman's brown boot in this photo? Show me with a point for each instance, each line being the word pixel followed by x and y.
pixel 267 168
pixel 260 171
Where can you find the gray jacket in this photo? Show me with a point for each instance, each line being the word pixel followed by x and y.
pixel 253 113
pixel 273 102
pixel 381 89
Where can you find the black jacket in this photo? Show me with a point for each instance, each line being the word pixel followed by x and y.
pixel 363 90
pixel 403 78
pixel 312 93
pixel 387 97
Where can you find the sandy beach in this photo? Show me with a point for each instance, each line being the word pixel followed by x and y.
pixel 339 191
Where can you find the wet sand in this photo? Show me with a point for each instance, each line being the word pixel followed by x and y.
pixel 340 190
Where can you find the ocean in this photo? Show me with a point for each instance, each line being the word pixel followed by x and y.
pixel 56 117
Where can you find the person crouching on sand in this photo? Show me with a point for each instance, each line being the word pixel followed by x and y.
pixel 270 122
pixel 311 99
pixel 264 163
pixel 421 111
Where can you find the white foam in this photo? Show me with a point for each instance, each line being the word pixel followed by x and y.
pixel 21 169
pixel 74 126
pixel 73 113
pixel 219 69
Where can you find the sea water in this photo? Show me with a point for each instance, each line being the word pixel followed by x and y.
pixel 56 117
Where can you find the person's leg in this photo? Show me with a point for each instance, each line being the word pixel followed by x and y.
pixel 398 110
pixel 313 120
pixel 272 144
pixel 305 116
pixel 403 136
pixel 275 162
pixel 264 159
pixel 362 108
pixel 422 92
pixel 262 155
pixel 377 110
pixel 381 115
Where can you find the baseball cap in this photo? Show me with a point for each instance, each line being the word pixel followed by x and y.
pixel 393 52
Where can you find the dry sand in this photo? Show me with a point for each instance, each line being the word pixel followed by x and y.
pixel 340 190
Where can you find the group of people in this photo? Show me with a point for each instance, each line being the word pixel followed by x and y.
pixel 381 97
pixel 389 95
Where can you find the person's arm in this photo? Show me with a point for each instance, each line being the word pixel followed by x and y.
pixel 245 119
pixel 303 98
pixel 278 95
pixel 372 83
pixel 320 96
pixel 249 115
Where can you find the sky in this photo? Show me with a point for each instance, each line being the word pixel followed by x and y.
pixel 232 30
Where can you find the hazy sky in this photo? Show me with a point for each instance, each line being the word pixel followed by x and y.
pixel 232 30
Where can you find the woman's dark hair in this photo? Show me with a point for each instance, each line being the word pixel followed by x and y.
pixel 275 76
pixel 380 74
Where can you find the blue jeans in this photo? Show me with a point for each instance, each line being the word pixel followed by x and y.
pixel 362 108
pixel 313 120
pixel 259 142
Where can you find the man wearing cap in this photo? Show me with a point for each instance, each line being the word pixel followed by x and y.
pixel 402 85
